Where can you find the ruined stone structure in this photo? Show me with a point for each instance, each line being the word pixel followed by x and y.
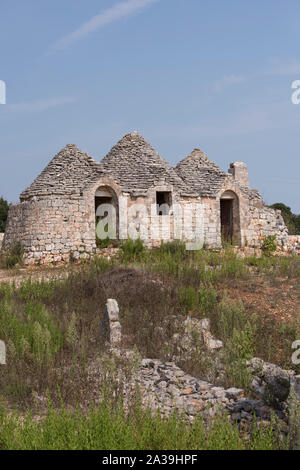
pixel 56 216
pixel 164 387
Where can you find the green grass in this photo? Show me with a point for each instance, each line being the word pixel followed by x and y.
pixel 109 428
pixel 51 333
pixel 11 257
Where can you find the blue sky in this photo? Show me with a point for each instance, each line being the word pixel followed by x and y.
pixel 184 73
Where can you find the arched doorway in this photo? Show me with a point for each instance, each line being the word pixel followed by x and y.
pixel 106 215
pixel 230 217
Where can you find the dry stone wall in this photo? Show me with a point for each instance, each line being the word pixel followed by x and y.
pixel 257 221
pixel 55 228
pixel 50 229
pixel 165 387
pixel 262 222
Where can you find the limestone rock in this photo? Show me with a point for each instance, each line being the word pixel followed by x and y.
pixel 270 382
pixel 196 332
pixel 110 327
pixel 2 353
pixel 296 386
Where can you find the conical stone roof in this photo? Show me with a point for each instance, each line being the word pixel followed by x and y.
pixel 69 172
pixel 133 164
pixel 136 166
pixel 201 174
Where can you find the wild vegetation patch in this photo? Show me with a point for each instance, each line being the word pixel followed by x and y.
pixel 51 331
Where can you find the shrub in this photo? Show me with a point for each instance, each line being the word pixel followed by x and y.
pixel 3 213
pixel 239 348
pixel 36 290
pixel 133 250
pixel 269 245
pixel 237 331
pixel 213 258
pixel 107 242
pixel 12 257
pixel 233 268
pixel 230 316
pixel 174 248
pixel 188 297
pixel 32 333
pixel 291 220
pixel 207 300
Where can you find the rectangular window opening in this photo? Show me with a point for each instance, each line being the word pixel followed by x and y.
pixel 163 202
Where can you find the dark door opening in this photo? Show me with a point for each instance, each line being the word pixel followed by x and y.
pixel 101 200
pixel 227 220
pixel 163 202
pixel 107 212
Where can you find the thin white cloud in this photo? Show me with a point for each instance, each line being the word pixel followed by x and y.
pixel 274 68
pixel 283 68
pixel 228 81
pixel 40 105
pixel 118 11
pixel 249 120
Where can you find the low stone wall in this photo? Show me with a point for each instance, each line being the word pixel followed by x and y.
pixel 262 222
pixel 292 244
pixel 50 230
pixel 164 387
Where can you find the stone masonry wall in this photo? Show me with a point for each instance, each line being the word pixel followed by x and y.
pixel 50 229
pixel 292 243
pixel 53 228
pixel 256 220
pixel 262 222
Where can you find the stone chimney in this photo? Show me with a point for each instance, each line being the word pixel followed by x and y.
pixel 239 172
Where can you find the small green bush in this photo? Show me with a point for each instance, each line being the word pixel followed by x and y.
pixel 188 298
pixel 207 300
pixel 230 316
pixel 269 245
pixel 237 331
pixel 238 349
pixel 4 207
pixel 36 290
pixel 107 242
pixel 10 258
pixel 175 248
pixel 133 250
pixel 32 334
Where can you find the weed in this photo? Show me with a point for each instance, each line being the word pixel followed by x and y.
pixel 108 427
pixel 269 245
pixel 12 257
pixel 133 250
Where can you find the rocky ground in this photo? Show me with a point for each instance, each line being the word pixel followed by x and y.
pixel 165 387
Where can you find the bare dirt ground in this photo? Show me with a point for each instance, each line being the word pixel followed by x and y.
pixel 18 275
pixel 280 299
